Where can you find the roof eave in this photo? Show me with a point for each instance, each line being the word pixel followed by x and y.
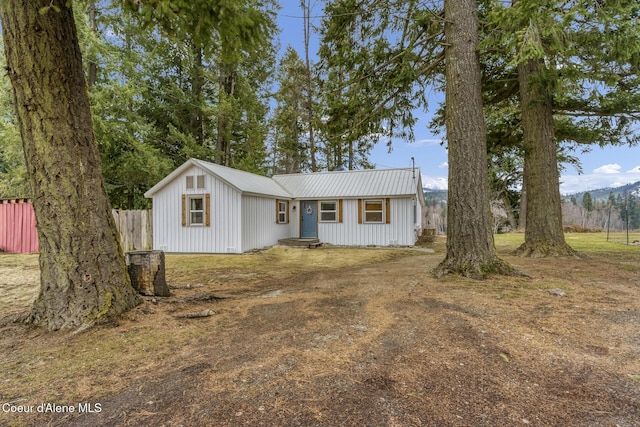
pixel 265 195
pixel 167 179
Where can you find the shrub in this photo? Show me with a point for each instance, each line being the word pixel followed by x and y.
pixel 574 228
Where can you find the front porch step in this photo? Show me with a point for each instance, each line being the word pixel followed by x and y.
pixel 300 242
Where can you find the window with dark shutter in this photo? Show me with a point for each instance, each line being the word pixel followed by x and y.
pixel 282 212
pixel 196 210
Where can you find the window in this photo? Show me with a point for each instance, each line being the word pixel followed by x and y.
pixel 282 211
pixel 195 210
pixel 328 211
pixel 373 211
pixel 199 181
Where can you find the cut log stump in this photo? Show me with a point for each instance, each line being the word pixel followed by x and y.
pixel 146 270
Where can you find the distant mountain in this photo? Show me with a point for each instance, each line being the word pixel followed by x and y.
pixel 435 194
pixel 602 194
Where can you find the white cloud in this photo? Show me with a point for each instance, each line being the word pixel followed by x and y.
pixel 606 176
pixel 435 182
pixel 443 165
pixel 420 142
pixel 570 184
pixel 610 168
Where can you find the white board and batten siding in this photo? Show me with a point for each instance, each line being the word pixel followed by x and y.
pixel 222 236
pixel 260 227
pixel 403 187
pixel 243 211
pixel 399 232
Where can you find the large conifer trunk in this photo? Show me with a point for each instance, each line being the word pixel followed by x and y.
pixel 544 235
pixel 83 273
pixel 470 247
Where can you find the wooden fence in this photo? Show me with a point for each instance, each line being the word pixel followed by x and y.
pixel 18 232
pixel 135 228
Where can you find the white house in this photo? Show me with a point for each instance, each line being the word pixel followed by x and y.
pixel 208 208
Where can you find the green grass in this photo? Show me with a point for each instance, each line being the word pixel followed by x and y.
pixel 582 242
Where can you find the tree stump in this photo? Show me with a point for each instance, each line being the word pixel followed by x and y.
pixel 146 270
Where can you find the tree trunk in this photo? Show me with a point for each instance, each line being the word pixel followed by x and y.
pixel 544 235
pixel 306 9
pixel 196 124
pixel 511 219
pixel 522 215
pixel 226 88
pixel 84 278
pixel 470 247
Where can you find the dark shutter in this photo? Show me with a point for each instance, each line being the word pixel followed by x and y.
pixel 207 210
pixel 388 211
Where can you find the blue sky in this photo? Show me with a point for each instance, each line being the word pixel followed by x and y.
pixel 602 167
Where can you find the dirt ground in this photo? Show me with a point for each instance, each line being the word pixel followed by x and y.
pixel 375 344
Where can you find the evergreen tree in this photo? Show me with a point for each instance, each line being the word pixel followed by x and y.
pixel 132 161
pixel 587 202
pixel 377 59
pixel 291 153
pixel 14 181
pixel 567 68
pixel 82 271
pixel 629 211
pixel 470 247
pixel 83 275
pixel 310 85
pixel 376 62
pixel 217 80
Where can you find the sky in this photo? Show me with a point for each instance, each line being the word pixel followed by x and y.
pixel 601 167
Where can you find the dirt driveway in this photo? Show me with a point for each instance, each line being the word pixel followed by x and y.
pixel 376 344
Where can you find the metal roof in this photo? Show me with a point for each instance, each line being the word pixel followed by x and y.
pixel 318 185
pixel 244 182
pixel 353 183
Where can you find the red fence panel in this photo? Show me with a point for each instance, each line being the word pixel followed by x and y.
pixel 18 232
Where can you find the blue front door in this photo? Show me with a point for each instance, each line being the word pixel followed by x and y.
pixel 309 219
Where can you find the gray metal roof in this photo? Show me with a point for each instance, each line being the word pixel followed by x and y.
pixel 319 185
pixel 246 182
pixel 354 183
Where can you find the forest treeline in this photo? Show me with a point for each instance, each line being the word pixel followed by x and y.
pixel 160 94
pixel 620 211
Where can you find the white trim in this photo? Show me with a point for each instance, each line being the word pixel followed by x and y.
pixel 190 211
pixel 334 211
pixel 382 211
pixel 284 211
